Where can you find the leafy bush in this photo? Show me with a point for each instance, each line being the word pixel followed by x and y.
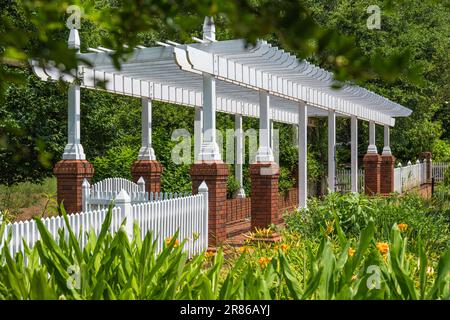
pixel 354 211
pixel 286 181
pixel 232 186
pixel 115 163
pixel 447 177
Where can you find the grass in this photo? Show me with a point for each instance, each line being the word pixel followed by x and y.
pixel 27 199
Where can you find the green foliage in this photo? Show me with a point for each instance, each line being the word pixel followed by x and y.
pixel 110 266
pixel 286 181
pixel 232 186
pixel 116 163
pixel 354 211
pixel 447 177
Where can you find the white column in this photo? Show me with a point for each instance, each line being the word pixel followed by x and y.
pixel 354 153
pixel 302 154
pixel 265 153
pixel 146 152
pixel 73 149
pixel 387 141
pixel 331 150
pixel 238 159
pixel 209 29
pixel 271 134
pixel 372 148
pixel 209 150
pixel 198 129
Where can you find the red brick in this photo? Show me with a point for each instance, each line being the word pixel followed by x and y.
pixel 387 174
pixel 264 200
pixel 372 163
pixel 215 174
pixel 69 178
pixel 151 171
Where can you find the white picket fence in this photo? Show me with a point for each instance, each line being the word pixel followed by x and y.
pixel 409 176
pixel 163 218
pixel 99 195
pixel 439 169
pixel 344 180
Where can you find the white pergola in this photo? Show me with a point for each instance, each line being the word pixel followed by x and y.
pixel 212 76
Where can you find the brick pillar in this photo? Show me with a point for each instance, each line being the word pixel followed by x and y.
pixel 387 174
pixel 151 171
pixel 264 177
pixel 69 178
pixel 215 174
pixel 426 156
pixel 372 163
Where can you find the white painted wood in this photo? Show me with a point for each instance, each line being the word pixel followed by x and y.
pixel 209 29
pixel 209 150
pixel 146 152
pixel 123 201
pixel 239 158
pixel 302 155
pixel 372 148
pixel 410 176
pixel 188 215
pixel 354 154
pixel 73 149
pixel 198 132
pixel 264 153
pixel 344 180
pixel 438 170
pixel 387 141
pixel 331 150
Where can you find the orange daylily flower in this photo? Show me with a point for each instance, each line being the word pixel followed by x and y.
pixel 264 261
pixel 169 239
pixel 351 251
pixel 383 247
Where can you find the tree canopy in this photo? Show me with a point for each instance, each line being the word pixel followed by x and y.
pixel 405 60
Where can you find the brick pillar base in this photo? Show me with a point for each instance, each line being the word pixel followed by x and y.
pixel 264 177
pixel 69 178
pixel 372 163
pixel 387 174
pixel 215 175
pixel 151 172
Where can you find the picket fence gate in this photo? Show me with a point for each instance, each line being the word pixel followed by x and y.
pixel 162 218
pixel 99 195
pixel 344 180
pixel 439 169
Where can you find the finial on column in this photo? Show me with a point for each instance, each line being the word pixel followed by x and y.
pixel 74 40
pixel 209 29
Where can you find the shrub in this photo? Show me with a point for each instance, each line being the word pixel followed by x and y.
pixel 354 211
pixel 232 186
pixel 115 163
pixel 447 177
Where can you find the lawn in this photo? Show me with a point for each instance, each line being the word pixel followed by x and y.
pixel 24 200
